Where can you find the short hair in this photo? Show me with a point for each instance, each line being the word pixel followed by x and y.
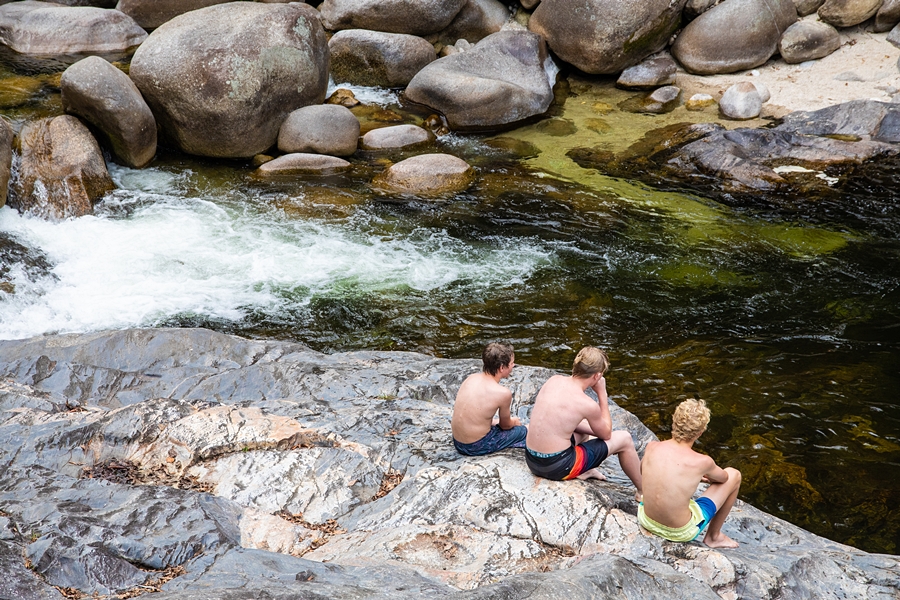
pixel 690 420
pixel 589 361
pixel 496 355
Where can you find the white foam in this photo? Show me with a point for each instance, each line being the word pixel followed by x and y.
pixel 164 255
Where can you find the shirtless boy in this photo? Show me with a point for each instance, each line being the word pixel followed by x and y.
pixel 480 397
pixel 672 470
pixel 559 443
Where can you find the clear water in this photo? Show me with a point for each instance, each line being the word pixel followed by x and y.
pixel 784 316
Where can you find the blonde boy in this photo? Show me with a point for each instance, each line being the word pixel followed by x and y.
pixel 672 470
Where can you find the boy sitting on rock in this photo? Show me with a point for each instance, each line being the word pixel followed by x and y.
pixel 560 443
pixel 672 470
pixel 475 430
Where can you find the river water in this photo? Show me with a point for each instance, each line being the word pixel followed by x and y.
pixel 783 315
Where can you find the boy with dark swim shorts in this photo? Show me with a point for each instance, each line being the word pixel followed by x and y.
pixel 559 444
pixel 672 470
pixel 475 430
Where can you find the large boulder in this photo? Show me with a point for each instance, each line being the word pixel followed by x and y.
pixel 6 140
pixel 422 17
pixel 733 36
pixel 477 20
pixel 150 14
pixel 606 36
pixel 847 13
pixel 501 80
pixel 320 129
pixel 50 29
pixel 807 7
pixel 61 171
pixel 221 80
pixel 106 98
pixel 808 40
pixel 887 16
pixel 374 58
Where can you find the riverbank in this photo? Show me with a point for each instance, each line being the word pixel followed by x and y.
pixel 864 67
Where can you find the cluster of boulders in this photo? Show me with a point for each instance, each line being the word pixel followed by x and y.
pixel 241 79
pixel 199 465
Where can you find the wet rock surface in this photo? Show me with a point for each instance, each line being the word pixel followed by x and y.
pixel 808 155
pixel 199 464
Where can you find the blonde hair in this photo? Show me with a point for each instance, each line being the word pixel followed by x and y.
pixel 589 361
pixel 690 420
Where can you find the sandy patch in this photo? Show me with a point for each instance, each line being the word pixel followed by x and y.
pixel 865 66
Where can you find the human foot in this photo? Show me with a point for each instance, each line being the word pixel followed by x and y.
pixel 593 474
pixel 719 541
pixel 638 497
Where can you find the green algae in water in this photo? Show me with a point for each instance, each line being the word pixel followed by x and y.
pixel 694 275
pixel 803 242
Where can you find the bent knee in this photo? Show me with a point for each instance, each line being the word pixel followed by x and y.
pixel 733 475
pixel 620 440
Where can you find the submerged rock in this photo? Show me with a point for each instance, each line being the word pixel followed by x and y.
pixel 61 171
pixel 192 455
pixel 50 29
pixel 427 174
pixel 301 163
pixel 810 154
pixel 221 80
pixel 395 137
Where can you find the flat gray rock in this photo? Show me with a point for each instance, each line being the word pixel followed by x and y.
pixel 208 465
pixel 302 162
pixel 396 137
pixel 33 27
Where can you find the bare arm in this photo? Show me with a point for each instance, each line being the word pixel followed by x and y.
pixel 715 474
pixel 600 419
pixel 507 421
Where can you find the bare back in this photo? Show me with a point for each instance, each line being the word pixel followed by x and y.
pixel 479 398
pixel 671 472
pixel 560 407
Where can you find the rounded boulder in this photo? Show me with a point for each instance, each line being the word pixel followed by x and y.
pixel 847 13
pixel 733 36
pixel 150 14
pixel 301 163
pixel 808 40
pixel 741 101
pixel 396 137
pixel 501 79
pixel 606 36
pixel 375 58
pixel 106 98
pixel 320 129
pixel 421 17
pixel 50 29
pixel 221 80
pixel 61 169
pixel 427 174
pixel 651 73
